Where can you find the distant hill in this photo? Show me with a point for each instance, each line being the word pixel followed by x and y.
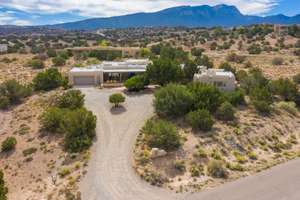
pixel 189 16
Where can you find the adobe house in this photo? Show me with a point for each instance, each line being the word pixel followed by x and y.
pixel 107 72
pixel 218 77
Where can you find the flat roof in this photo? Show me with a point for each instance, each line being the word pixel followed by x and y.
pixel 130 65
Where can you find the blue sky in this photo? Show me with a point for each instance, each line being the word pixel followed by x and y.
pixel 39 12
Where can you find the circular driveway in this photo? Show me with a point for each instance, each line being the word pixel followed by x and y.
pixel 111 176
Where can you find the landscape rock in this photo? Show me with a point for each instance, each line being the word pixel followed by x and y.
pixel 156 153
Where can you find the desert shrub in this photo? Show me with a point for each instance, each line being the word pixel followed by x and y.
pixel 277 61
pixel 8 144
pixel 179 165
pixel 3 188
pixel 48 80
pixel 227 67
pixel 205 96
pixel 79 128
pixel 58 61
pixel 197 51
pixel 285 88
pixel 252 155
pixel 164 71
pixel 248 64
pixel 261 94
pixel 254 80
pixel 216 169
pixel 135 83
pixel 172 100
pixel 204 60
pixel 4 102
pixel 200 119
pixel 254 49
pixel 290 107
pixel 235 98
pixel 71 99
pixel 233 57
pixel 226 112
pixel 51 53
pixel 262 106
pixel 51 119
pixel 241 74
pixel 235 167
pixel 64 172
pixel 296 78
pixel 161 134
pixel 36 64
pixel 116 99
pixel 13 91
pixel 196 170
pixel 29 151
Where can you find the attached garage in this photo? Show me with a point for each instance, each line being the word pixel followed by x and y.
pixel 84 80
pixel 85 77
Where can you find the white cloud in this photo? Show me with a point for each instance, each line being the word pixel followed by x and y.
pixel 101 8
pixel 8 18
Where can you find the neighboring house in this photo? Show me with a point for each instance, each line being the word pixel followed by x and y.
pixel 3 48
pixel 107 72
pixel 218 77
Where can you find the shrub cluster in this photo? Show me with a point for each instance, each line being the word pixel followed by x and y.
pixel 36 64
pixel 200 119
pixel 48 80
pixel 226 112
pixel 12 92
pixel 161 134
pixel 216 169
pixel 72 119
pixel 173 100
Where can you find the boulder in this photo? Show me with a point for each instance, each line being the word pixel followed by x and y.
pixel 156 153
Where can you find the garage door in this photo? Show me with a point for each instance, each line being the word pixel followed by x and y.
pixel 84 80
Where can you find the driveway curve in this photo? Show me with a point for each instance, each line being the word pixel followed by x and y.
pixel 111 176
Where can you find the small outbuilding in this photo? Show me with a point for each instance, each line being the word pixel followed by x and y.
pixel 220 78
pixel 107 72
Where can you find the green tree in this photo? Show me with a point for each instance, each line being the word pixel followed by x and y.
pixel 200 119
pixel 163 71
pixel 48 80
pixel 71 99
pixel 79 128
pixel 172 100
pixel 204 61
pixel 58 61
pixel 205 96
pixel 190 68
pixel 116 99
pixel 285 88
pixel 136 83
pixel 51 119
pixel 226 112
pixel 161 134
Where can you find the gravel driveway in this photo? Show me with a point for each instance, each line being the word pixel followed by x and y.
pixel 111 176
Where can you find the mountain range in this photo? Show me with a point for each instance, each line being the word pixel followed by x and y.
pixel 188 16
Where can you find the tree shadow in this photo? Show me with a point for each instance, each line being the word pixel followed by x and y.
pixel 145 91
pixel 5 155
pixel 118 110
